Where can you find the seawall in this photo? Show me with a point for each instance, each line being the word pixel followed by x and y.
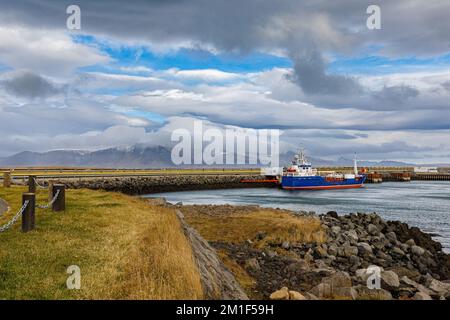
pixel 156 184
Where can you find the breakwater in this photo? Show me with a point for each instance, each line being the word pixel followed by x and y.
pixel 156 184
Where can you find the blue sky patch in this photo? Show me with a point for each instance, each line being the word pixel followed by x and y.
pixel 191 59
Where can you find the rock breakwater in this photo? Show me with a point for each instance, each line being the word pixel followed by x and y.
pixel 167 183
pixel 411 265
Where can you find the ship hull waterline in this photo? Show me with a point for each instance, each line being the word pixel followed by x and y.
pixel 320 183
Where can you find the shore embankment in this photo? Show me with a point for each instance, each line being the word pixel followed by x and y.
pixel 333 262
pixel 168 183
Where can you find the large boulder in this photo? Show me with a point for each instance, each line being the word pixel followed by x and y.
pixel 336 230
pixel 337 285
pixel 295 295
pixel 391 236
pixel 350 251
pixel 397 251
pixel 282 294
pixel 404 271
pixel 345 293
pixel 405 281
pixel 364 293
pixel 439 287
pixel 418 251
pixel 364 248
pixel 421 296
pixel 373 229
pixel 352 235
pixel 332 214
pixel 339 279
pixel 389 280
pixel 332 249
pixel 322 291
pixel 310 296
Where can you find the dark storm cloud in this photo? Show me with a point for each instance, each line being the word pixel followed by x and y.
pixel 408 27
pixel 327 134
pixel 310 74
pixel 27 84
pixel 303 30
pixel 446 85
pixel 396 95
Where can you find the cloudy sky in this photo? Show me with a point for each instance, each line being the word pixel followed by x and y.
pixel 138 70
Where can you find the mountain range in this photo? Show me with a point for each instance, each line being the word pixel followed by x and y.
pixel 141 156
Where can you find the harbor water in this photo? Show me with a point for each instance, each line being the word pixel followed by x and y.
pixel 424 204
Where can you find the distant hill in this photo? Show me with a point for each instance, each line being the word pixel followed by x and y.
pixel 141 156
pixel 132 157
pixel 344 162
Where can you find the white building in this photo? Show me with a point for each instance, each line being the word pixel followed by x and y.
pixel 425 169
pixel 273 171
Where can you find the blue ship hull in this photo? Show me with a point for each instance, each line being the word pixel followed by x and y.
pixel 319 182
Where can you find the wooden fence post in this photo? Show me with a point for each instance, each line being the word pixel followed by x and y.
pixel 60 202
pixel 7 179
pixel 28 214
pixel 31 184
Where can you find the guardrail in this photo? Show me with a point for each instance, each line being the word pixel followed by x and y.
pixel 56 200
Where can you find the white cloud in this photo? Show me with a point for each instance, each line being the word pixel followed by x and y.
pixel 205 75
pixel 136 69
pixel 44 51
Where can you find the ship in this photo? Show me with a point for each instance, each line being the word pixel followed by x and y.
pixel 300 175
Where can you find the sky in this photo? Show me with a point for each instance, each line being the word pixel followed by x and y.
pixel 138 70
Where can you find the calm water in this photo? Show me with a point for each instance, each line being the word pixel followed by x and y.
pixel 425 204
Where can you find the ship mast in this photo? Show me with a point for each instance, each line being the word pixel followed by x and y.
pixel 303 157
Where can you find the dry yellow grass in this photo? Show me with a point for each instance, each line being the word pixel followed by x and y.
pixel 279 226
pixel 125 248
pixel 244 223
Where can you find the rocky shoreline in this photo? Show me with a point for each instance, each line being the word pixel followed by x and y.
pixel 164 183
pixel 412 265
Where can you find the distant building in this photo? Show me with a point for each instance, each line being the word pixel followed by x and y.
pixel 425 169
pixel 273 171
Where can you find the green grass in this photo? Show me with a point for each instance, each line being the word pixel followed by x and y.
pixel 125 248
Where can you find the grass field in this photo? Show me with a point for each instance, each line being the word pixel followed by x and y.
pixel 125 248
pixel 238 227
